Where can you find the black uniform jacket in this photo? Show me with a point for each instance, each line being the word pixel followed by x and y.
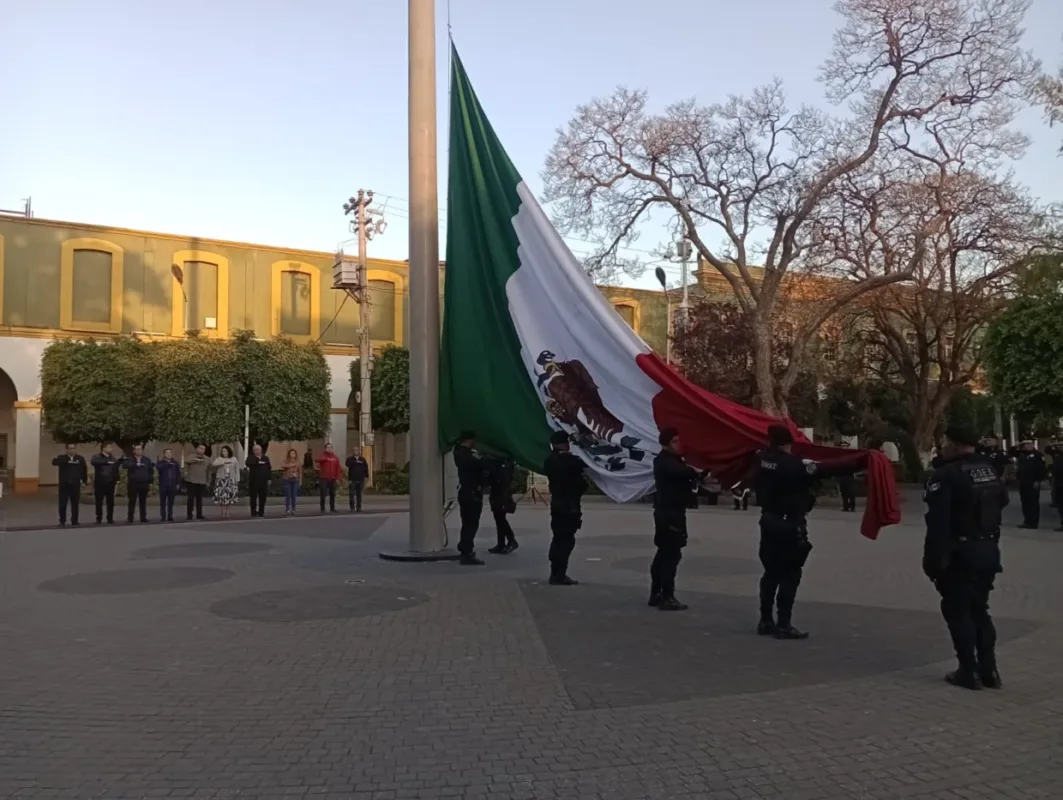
pixel 472 473
pixel 964 497
pixel 675 482
pixel 564 472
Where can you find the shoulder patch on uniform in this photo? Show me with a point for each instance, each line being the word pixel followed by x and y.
pixel 810 467
pixel 933 487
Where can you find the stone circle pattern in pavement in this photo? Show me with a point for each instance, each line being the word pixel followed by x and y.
pixel 199 550
pixel 318 603
pixel 135 581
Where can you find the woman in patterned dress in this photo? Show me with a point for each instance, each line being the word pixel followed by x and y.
pixel 226 480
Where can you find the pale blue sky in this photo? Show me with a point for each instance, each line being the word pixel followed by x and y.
pixel 255 120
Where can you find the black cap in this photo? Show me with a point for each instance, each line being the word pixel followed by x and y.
pixel 559 437
pixel 962 435
pixel 780 436
pixel 667 435
pixel 466 435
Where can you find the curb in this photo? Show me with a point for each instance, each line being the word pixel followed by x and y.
pixel 195 522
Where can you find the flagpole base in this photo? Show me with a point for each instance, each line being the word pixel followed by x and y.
pixel 448 554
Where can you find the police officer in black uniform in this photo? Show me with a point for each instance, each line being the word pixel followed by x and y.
pixel 500 476
pixel 990 448
pixel 847 486
pixel 1056 451
pixel 564 471
pixel 675 483
pixel 785 488
pixel 472 475
pixel 961 554
pixel 1030 470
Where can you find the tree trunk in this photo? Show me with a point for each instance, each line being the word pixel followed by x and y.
pixel 762 368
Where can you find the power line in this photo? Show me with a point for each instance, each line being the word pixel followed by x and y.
pixel 403 214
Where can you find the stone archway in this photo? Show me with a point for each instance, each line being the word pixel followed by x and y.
pixel 8 399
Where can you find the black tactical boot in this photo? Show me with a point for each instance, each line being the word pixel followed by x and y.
pixel 470 561
pixel 655 599
pixel 766 627
pixel 990 678
pixel 671 604
pixel 511 547
pixel 498 550
pixel 562 580
pixel 965 679
pixel 789 632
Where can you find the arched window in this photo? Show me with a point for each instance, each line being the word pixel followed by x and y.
pixel 630 311
pixel 90 286
pixel 202 278
pixel 386 290
pixel 296 300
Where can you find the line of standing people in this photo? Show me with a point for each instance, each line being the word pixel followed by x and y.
pixel 199 470
pixel 1031 471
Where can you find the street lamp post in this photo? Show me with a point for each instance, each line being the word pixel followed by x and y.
pixel 683 250
pixel 662 279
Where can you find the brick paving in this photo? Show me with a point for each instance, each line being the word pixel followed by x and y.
pixel 306 667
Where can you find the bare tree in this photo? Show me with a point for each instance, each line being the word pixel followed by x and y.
pixel 926 334
pixel 1048 93
pixel 754 175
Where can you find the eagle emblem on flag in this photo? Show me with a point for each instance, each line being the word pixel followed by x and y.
pixel 573 401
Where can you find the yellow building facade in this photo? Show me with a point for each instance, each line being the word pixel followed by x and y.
pixel 64 279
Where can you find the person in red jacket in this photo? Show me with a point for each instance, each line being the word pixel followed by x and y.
pixel 329 471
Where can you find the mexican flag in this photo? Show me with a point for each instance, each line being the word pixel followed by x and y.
pixel 530 346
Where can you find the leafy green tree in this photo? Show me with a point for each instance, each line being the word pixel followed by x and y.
pixel 98 391
pixel 199 394
pixel 1024 349
pixel 286 386
pixel 390 387
pixel 391 390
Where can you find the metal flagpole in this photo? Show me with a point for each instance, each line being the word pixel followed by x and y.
pixel 426 479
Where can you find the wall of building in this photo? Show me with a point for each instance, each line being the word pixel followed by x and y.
pixel 65 279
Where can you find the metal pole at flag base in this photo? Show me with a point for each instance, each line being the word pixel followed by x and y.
pixel 427 540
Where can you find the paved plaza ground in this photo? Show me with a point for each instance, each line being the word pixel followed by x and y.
pixel 281 658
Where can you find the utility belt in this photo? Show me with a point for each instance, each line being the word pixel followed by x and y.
pixel 978 537
pixel 795 524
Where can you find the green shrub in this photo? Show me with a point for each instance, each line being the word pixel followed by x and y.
pixel 391 482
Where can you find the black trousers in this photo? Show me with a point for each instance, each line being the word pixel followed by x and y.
pixel 327 488
pixel 1030 500
pixel 502 526
pixel 670 537
pixel 784 549
pixel 257 498
pixel 104 494
pixel 470 506
pixel 69 495
pixel 565 521
pixel 166 500
pixel 194 502
pixel 847 490
pixel 663 569
pixel 1057 493
pixel 965 587
pixel 355 495
pixel 138 496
